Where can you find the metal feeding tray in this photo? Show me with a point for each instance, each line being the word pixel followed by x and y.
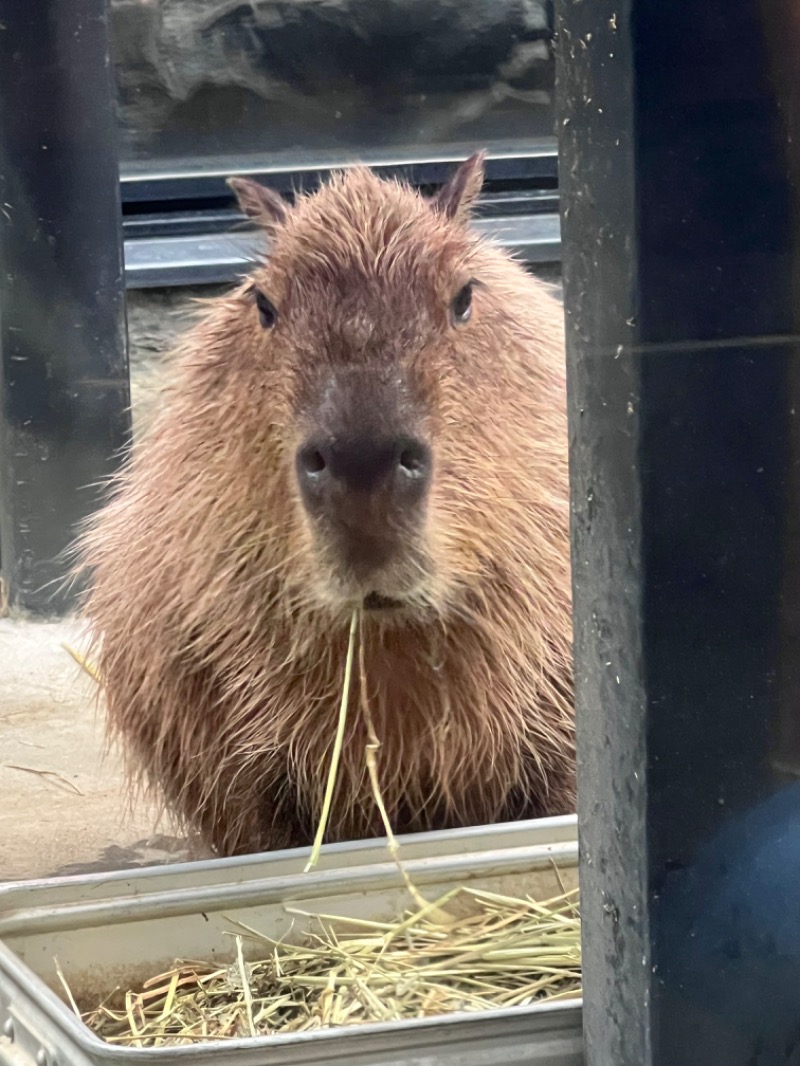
pixel 109 930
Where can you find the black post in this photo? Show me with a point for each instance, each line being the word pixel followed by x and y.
pixel 64 389
pixel 679 237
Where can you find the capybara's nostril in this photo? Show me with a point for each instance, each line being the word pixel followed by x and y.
pixel 310 460
pixel 415 460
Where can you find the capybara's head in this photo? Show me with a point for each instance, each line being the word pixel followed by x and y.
pixel 378 333
pixel 374 418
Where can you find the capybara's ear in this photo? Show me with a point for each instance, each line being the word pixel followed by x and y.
pixel 456 196
pixel 265 207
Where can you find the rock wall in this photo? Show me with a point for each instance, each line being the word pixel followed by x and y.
pixel 212 76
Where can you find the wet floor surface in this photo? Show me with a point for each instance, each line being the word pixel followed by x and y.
pixel 157 850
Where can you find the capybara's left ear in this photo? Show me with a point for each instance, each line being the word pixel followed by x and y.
pixel 265 207
pixel 457 195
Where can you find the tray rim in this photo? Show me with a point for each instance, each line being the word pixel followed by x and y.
pixel 163 891
pixel 566 824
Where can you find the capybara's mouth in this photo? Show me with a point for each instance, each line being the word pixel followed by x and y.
pixel 373 601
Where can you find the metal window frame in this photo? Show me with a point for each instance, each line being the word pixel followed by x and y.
pixel 64 377
pixel 216 258
pixel 683 349
pixel 188 234
pixel 536 167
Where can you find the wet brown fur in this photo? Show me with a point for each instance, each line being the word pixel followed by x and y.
pixel 218 628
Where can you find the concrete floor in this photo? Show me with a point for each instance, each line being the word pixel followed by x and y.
pixel 63 807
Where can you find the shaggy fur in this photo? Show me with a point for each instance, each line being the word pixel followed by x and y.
pixel 220 622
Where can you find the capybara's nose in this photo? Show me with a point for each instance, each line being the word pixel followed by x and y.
pixel 397 468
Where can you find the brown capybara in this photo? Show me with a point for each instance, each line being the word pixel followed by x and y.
pixel 375 418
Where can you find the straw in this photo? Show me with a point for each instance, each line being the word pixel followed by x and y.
pixel 337 748
pixel 502 952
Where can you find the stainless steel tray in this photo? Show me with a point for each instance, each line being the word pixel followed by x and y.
pixel 110 929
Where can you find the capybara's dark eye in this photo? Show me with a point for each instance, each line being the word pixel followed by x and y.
pixel 461 307
pixel 267 312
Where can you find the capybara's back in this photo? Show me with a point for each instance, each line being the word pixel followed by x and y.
pixel 374 419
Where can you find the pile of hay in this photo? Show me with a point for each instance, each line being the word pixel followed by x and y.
pixel 493 952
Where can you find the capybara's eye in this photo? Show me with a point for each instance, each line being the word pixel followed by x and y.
pixel 461 307
pixel 267 312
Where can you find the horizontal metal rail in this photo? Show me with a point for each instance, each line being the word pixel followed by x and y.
pixel 162 262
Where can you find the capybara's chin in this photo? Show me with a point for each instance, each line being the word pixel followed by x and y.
pixel 404 580
pixel 374 419
pixel 382 601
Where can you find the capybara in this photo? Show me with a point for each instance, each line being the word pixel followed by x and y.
pixel 374 418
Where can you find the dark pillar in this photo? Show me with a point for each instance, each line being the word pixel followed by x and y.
pixel 679 236
pixel 63 360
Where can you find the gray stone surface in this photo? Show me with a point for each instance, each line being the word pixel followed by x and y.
pixel 209 77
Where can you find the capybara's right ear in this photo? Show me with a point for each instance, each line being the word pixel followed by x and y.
pixel 265 207
pixel 457 195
